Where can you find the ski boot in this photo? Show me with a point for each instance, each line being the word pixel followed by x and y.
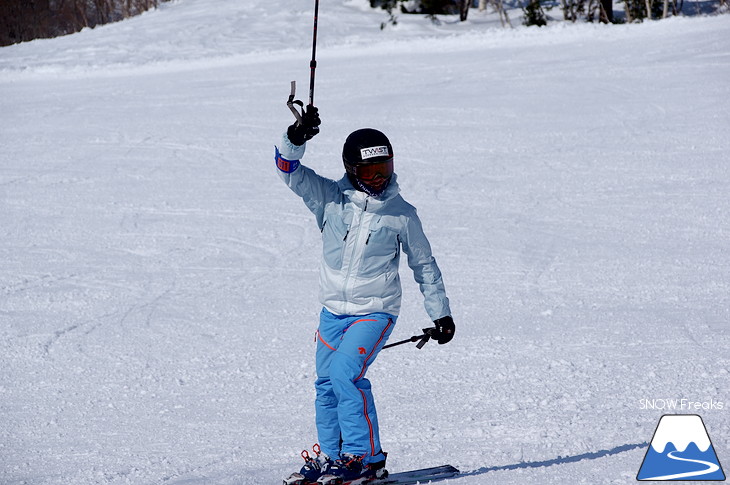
pixel 313 468
pixel 350 470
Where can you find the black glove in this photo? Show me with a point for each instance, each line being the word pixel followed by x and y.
pixel 445 329
pixel 298 133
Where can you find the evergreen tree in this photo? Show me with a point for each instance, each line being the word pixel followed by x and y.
pixel 534 14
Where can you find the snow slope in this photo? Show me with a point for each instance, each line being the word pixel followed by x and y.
pixel 158 282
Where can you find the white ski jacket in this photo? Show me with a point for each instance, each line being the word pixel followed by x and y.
pixel 362 237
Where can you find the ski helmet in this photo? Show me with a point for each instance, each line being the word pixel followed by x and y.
pixel 368 158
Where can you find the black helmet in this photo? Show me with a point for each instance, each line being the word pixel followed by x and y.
pixel 368 158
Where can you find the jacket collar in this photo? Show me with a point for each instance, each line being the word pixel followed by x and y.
pixel 360 199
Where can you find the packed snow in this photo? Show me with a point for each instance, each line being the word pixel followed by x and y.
pixel 158 282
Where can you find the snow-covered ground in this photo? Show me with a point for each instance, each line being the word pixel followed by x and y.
pixel 158 282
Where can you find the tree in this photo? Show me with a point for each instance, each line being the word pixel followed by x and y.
pixel 24 20
pixel 590 10
pixel 607 11
pixel 464 9
pixel 534 14
pixel 498 6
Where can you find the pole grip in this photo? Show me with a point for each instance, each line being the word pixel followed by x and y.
pixel 421 339
pixel 427 333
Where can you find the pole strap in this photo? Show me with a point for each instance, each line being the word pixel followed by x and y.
pixel 291 102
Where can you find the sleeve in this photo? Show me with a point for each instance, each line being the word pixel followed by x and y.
pixel 425 270
pixel 314 189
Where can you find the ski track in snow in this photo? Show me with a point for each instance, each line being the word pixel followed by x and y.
pixel 158 282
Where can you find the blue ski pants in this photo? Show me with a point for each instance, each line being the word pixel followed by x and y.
pixel 346 417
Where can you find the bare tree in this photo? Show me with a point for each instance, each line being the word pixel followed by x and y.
pixel 606 11
pixel 23 20
pixel 590 10
pixel 464 9
pixel 498 6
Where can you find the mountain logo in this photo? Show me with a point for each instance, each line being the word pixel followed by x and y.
pixel 681 450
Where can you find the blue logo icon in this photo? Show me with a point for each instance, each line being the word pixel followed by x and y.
pixel 681 450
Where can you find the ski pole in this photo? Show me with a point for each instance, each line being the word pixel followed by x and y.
pixel 291 102
pixel 313 62
pixel 421 339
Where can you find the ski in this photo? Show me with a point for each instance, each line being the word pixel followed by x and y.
pixel 424 475
pixel 412 477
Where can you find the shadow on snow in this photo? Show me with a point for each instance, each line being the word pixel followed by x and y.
pixel 561 460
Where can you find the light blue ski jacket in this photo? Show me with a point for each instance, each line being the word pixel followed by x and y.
pixel 362 238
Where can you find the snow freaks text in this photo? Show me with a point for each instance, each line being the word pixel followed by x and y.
pixel 681 405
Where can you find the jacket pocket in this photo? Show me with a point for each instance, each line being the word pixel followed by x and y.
pixel 381 251
pixel 334 234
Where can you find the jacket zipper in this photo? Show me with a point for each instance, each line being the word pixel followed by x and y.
pixel 348 274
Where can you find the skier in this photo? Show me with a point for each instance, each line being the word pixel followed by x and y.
pixel 364 223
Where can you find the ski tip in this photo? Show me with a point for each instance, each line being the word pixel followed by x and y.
pixel 423 475
pixel 449 470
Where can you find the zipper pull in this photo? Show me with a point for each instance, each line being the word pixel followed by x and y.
pixel 368 239
pixel 345 238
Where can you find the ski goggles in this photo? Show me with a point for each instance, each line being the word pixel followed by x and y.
pixel 372 171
